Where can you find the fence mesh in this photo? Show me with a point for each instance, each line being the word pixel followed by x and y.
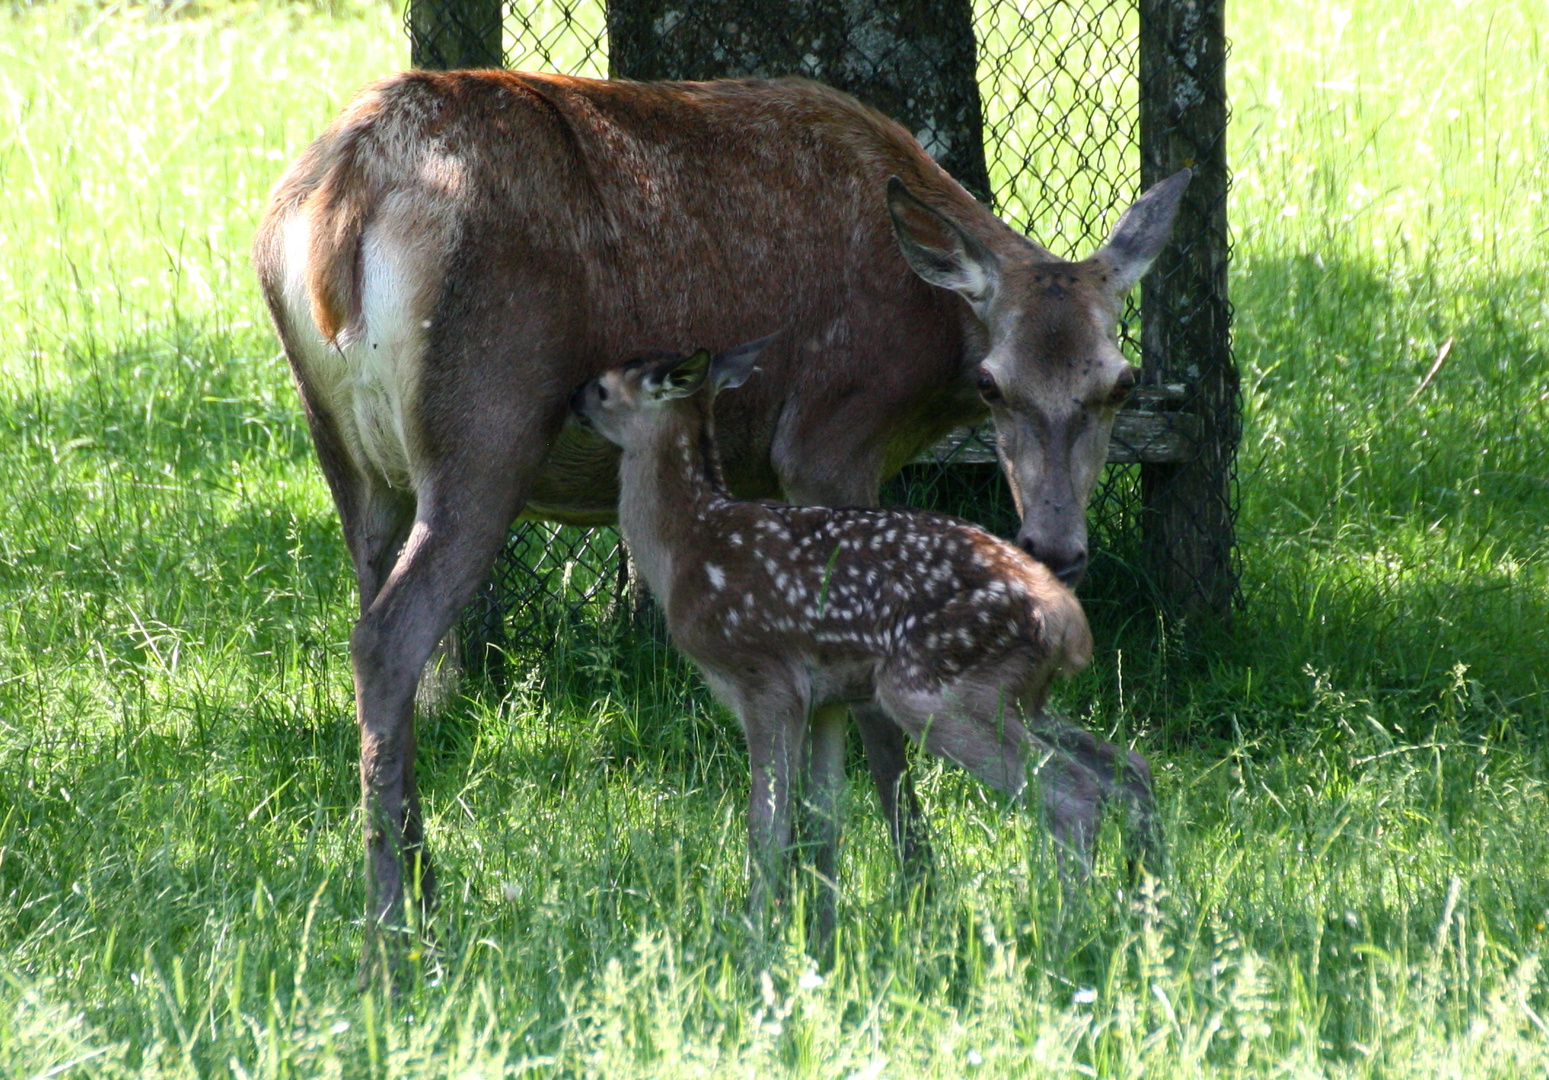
pixel 1078 105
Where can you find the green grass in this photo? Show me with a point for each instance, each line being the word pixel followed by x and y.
pixel 1353 782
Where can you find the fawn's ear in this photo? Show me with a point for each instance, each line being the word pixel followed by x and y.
pixel 677 378
pixel 732 367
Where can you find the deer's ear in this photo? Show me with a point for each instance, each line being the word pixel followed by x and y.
pixel 732 367
pixel 940 250
pixel 680 378
pixel 1142 232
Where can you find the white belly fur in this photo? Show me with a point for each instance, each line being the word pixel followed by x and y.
pixel 369 378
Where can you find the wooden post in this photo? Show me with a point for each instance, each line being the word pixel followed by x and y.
pixel 914 60
pixel 1187 509
pixel 449 34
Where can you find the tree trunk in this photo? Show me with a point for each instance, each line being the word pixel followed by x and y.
pixel 1187 515
pixel 449 34
pixel 915 60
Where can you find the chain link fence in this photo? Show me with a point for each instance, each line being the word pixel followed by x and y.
pixel 1057 113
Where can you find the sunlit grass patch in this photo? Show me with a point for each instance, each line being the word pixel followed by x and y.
pixel 1353 780
pixel 138 145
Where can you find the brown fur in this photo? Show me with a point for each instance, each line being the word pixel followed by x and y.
pixel 519 233
pixel 952 632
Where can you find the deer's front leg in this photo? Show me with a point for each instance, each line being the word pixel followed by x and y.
pixel 775 724
pixel 824 798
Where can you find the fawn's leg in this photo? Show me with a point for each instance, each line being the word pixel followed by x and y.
pixel 824 794
pixel 886 757
pixel 853 482
pixel 964 725
pixel 1123 774
pixel 774 719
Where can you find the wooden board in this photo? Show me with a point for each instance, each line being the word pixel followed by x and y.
pixel 1149 431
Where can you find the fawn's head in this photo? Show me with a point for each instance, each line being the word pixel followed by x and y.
pixel 1053 376
pixel 627 404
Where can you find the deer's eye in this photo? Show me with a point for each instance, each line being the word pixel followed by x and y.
pixel 1124 387
pixel 602 392
pixel 987 388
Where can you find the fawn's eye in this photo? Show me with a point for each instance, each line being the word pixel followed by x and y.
pixel 987 388
pixel 602 392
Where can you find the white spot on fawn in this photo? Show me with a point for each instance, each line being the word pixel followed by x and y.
pixel 716 574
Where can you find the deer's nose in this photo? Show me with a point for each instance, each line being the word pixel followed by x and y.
pixel 1066 562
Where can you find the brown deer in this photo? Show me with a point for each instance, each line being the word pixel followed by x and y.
pixel 459 251
pixel 953 633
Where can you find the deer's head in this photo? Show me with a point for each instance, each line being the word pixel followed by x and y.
pixel 626 404
pixel 1052 375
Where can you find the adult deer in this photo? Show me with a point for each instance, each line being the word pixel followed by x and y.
pixel 953 633
pixel 458 252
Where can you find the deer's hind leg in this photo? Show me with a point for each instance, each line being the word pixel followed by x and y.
pixel 491 396
pixel 376 519
pixel 1124 775
pixel 976 723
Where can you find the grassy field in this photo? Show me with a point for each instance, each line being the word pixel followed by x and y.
pixel 1354 784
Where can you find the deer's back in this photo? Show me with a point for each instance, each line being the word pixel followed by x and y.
pixel 656 216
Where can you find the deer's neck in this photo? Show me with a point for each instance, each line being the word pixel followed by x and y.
pixel 668 488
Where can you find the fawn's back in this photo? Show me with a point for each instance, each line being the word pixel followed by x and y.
pixel 918 597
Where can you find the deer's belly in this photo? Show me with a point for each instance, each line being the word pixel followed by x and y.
pixel 579 481
pixel 846 682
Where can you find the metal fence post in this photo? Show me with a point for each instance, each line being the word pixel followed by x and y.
pixel 1187 509
pixel 463 34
